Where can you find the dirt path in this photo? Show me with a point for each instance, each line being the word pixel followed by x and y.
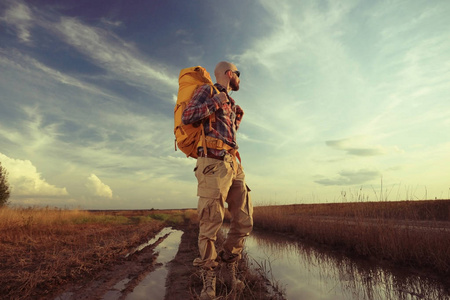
pixel 182 279
pixel 182 282
pixel 116 281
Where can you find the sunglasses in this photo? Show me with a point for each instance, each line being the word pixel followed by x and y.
pixel 235 72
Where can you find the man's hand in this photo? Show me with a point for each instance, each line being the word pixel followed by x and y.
pixel 239 112
pixel 223 97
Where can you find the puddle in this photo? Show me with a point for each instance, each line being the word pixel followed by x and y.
pixel 154 284
pixel 307 273
pixel 162 233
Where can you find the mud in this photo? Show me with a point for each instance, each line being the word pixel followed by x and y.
pixel 154 284
pixel 274 267
pixel 115 281
pixel 131 277
pixel 182 276
pixel 184 281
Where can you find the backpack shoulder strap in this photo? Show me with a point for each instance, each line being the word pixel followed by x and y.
pixel 212 117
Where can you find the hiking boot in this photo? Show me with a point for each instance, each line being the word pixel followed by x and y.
pixel 209 284
pixel 228 270
pixel 229 276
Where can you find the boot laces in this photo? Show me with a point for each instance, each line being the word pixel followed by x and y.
pixel 208 278
pixel 232 268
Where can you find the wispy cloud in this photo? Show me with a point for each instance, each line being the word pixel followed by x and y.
pixel 36 69
pixel 349 178
pixel 102 47
pixel 19 16
pixel 118 57
pixel 354 146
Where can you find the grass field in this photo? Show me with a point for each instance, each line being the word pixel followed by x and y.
pixel 41 249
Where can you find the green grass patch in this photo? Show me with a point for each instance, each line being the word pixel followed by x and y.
pixel 160 217
pixel 169 219
pixel 101 219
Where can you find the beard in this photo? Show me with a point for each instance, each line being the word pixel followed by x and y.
pixel 234 84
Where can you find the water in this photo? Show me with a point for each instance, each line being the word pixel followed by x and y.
pixel 305 272
pixel 301 271
pixel 153 285
pixel 162 233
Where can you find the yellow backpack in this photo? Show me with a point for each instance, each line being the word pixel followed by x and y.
pixel 191 136
pixel 187 137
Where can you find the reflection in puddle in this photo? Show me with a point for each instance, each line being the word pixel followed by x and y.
pixel 308 273
pixel 162 233
pixel 154 284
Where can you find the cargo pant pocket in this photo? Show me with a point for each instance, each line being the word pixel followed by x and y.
pixel 210 207
pixel 209 173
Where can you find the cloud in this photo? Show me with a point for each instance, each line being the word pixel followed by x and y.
pixel 118 57
pixel 357 151
pixel 25 180
pixel 355 146
pixel 19 16
pixel 350 177
pixel 300 32
pixel 98 188
pixel 111 23
pixel 35 69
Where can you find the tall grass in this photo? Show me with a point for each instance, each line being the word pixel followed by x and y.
pixel 32 217
pixel 40 249
pixel 410 233
pixel 13 217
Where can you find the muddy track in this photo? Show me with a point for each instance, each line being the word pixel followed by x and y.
pixel 182 276
pixel 127 275
pixel 117 281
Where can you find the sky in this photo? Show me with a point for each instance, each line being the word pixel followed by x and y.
pixel 343 100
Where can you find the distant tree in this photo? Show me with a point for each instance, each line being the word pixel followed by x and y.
pixel 4 186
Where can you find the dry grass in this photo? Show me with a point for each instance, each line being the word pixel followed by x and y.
pixel 41 249
pixel 44 249
pixel 411 233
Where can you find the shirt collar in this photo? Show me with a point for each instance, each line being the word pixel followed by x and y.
pixel 221 88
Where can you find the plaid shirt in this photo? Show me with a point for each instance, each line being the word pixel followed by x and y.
pixel 228 116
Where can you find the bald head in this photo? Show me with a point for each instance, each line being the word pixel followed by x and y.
pixel 222 67
pixel 227 79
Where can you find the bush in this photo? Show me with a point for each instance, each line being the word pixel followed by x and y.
pixel 4 186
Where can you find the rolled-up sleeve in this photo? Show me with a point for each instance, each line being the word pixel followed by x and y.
pixel 239 116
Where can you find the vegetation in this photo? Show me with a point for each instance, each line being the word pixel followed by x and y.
pixel 41 249
pixel 4 186
pixel 410 233
pixel 170 217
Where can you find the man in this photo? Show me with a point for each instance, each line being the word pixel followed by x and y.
pixel 220 178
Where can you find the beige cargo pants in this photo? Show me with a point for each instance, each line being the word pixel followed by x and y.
pixel 219 182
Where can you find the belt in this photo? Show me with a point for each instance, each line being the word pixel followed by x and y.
pixel 210 155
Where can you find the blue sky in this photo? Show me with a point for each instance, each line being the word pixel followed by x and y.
pixel 343 100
